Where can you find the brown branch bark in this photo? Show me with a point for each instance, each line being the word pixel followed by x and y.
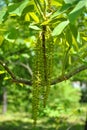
pixel 54 81
pixel 23 81
pixel 7 69
pixel 14 78
pixel 68 75
pixel 26 66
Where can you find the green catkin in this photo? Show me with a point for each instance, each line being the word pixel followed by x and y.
pixel 36 82
pixel 49 57
pixel 42 72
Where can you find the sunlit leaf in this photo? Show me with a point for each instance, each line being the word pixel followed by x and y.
pixel 17 8
pixel 86 4
pixel 1 39
pixel 79 40
pixel 21 84
pixel 45 22
pixel 76 11
pixel 6 78
pixel 59 28
pixel 61 10
pixel 74 43
pixel 2 71
pixel 56 2
pixel 34 17
pixel 34 27
pixel 70 1
pixel 27 17
pixel 84 38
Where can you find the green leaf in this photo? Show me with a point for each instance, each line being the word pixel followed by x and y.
pixel 6 78
pixel 17 8
pixel 74 30
pixel 38 4
pixel 34 17
pixel 61 10
pixel 1 39
pixel 2 71
pixel 2 14
pixel 45 22
pixel 59 28
pixel 76 11
pixel 86 4
pixel 27 17
pixel 11 34
pixel 34 27
pixel 57 3
pixel 29 8
pixel 79 40
pixel 69 37
pixel 70 1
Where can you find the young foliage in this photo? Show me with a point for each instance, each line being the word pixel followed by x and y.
pixel 51 24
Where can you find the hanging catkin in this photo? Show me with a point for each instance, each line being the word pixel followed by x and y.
pixel 42 71
pixel 36 81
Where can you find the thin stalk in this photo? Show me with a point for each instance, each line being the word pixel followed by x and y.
pixel 39 7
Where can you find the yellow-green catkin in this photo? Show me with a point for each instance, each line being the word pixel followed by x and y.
pixel 49 66
pixel 42 72
pixel 36 82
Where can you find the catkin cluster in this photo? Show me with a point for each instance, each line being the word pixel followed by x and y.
pixel 42 72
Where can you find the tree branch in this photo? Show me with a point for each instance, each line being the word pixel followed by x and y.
pixel 54 81
pixel 23 81
pixel 7 69
pixel 14 78
pixel 27 67
pixel 68 75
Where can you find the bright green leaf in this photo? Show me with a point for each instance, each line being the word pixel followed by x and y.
pixel 57 3
pixel 79 40
pixel 34 27
pixel 76 11
pixel 61 10
pixel 70 1
pixel 86 4
pixel 2 71
pixel 27 17
pixel 17 8
pixel 59 28
pixel 34 17
pixel 84 38
pixel 6 78
pixel 74 42
pixel 1 39
pixel 45 22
